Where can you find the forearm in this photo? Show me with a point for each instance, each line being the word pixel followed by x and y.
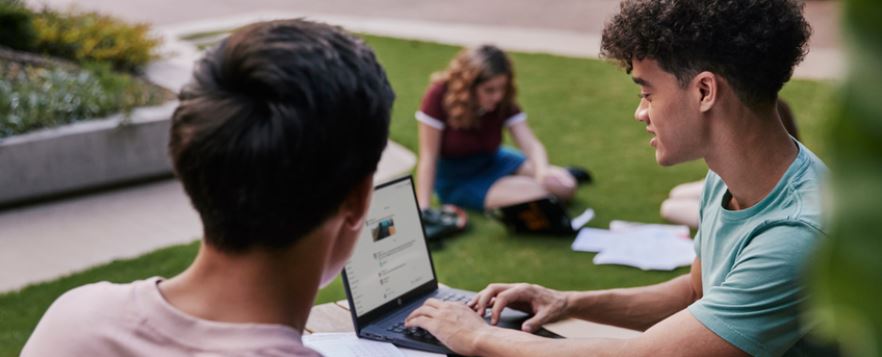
pixel 506 342
pixel 633 308
pixel 430 147
pixel 425 181
pixel 537 156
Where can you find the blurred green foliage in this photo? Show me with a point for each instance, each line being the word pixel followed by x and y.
pixel 847 274
pixel 93 37
pixel 34 97
pixel 17 30
pixel 39 96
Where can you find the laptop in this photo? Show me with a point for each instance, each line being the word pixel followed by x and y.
pixel 391 273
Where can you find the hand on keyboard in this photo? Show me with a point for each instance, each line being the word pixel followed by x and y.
pixel 453 323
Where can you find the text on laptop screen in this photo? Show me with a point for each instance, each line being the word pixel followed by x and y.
pixel 391 257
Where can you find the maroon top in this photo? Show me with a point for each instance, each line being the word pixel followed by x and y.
pixel 457 143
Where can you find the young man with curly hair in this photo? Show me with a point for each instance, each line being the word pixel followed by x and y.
pixel 276 141
pixel 709 73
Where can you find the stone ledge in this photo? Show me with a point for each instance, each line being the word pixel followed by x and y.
pixel 85 155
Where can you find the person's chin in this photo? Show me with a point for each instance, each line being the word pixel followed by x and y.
pixel 662 159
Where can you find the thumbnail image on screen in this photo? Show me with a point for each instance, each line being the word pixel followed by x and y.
pixel 383 229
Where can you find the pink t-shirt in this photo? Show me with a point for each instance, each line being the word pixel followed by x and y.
pixel 105 319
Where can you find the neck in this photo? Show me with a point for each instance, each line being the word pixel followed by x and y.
pixel 258 286
pixel 750 151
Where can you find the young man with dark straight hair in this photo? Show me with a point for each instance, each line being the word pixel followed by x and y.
pixel 709 73
pixel 275 141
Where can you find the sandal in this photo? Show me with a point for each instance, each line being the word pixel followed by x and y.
pixel 444 222
pixel 581 174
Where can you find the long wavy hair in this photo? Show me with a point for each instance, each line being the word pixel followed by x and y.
pixel 470 68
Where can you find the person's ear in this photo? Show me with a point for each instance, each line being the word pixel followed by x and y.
pixel 352 212
pixel 706 89
pixel 356 204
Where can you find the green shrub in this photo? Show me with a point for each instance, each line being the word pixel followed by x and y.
pixel 34 97
pixel 17 30
pixel 93 37
pixel 847 271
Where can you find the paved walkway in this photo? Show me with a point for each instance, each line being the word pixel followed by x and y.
pixel 568 27
pixel 44 241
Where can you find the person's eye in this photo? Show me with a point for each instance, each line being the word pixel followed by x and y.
pixel 643 96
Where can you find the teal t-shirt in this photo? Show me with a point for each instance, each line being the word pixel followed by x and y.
pixel 752 260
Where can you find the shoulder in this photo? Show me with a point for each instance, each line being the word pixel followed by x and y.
pixel 789 243
pixel 757 305
pixel 435 92
pixel 99 306
pixel 806 186
pixel 431 110
pixel 437 88
pixel 92 301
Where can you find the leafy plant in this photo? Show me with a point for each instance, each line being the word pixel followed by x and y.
pixel 93 37
pixel 848 275
pixel 18 29
pixel 36 97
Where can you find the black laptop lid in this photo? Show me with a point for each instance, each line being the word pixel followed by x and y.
pixel 390 264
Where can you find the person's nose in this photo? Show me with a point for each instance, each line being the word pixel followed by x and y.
pixel 498 97
pixel 642 112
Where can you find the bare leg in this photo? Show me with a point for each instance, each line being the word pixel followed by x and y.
pixel 559 182
pixel 681 211
pixel 688 190
pixel 682 205
pixel 511 190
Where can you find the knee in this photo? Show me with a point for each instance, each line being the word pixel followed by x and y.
pixel 561 191
pixel 512 190
pixel 680 211
pixel 688 190
pixel 561 184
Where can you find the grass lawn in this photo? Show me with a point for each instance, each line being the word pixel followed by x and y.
pixel 581 109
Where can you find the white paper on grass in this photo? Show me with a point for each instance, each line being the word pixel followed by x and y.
pixel 645 247
pixel 593 240
pixel 582 219
pixel 620 226
pixel 648 250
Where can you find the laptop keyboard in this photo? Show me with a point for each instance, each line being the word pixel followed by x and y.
pixel 420 334
pixel 451 296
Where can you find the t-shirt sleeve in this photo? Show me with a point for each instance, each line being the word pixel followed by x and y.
pixel 515 115
pixel 70 325
pixel 431 110
pixel 757 307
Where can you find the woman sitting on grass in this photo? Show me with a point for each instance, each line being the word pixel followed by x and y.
pixel 462 116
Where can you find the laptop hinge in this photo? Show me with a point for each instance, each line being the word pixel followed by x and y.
pixel 374 336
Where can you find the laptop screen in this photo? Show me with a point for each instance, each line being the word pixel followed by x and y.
pixel 390 257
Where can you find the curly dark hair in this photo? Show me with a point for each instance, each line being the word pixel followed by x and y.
pixel 753 44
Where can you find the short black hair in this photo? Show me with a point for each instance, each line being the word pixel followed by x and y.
pixel 753 44
pixel 280 123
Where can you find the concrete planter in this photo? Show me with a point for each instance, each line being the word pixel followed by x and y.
pixel 85 155
pixel 107 152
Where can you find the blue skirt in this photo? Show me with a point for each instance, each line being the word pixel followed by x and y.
pixel 465 181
